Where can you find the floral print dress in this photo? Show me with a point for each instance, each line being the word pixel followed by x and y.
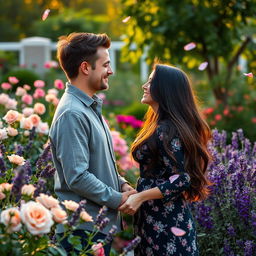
pixel 165 225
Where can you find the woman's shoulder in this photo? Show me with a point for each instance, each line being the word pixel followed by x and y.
pixel 167 127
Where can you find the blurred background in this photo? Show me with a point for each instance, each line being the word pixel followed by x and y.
pixel 213 41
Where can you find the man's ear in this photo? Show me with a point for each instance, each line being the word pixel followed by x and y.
pixel 85 67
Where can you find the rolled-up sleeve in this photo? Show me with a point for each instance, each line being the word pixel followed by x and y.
pixel 71 139
pixel 180 180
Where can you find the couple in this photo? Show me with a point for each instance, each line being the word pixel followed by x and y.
pixel 170 148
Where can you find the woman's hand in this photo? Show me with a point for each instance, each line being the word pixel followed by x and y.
pixel 132 204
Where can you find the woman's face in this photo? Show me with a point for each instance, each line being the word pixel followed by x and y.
pixel 146 98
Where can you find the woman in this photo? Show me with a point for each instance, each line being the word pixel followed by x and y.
pixel 172 153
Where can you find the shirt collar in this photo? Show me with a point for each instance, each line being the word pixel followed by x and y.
pixel 93 101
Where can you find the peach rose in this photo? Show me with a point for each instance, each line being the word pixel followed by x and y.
pixel 50 97
pixel 26 87
pixel 12 131
pixel 15 159
pixel 42 128
pixel 36 217
pixel 27 111
pixel 11 219
pixel 11 104
pixel 5 187
pixel 2 196
pixel 39 108
pixel 3 98
pixel 70 205
pixel 35 119
pixel 20 91
pixel 27 99
pixel 28 190
pixel 26 123
pixel 53 91
pixel 26 133
pixel 47 201
pixel 11 116
pixel 85 216
pixel 59 215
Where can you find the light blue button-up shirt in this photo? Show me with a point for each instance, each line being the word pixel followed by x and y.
pixel 83 155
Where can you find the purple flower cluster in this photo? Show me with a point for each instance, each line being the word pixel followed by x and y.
pixel 131 120
pixel 228 216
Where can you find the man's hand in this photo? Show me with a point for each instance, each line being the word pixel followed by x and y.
pixel 132 204
pixel 126 194
pixel 126 187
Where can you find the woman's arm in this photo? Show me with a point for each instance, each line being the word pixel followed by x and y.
pixel 134 202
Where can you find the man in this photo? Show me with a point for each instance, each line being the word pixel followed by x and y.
pixel 81 142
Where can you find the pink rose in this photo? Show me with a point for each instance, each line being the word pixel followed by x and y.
pixel 39 93
pixel 42 128
pixel 13 80
pixel 28 189
pixel 27 111
pixel 6 86
pixel 3 134
pixel 36 217
pixel 70 205
pixel 11 116
pixel 47 201
pixel 15 159
pixel 20 91
pixel 59 84
pixel 11 219
pixel 12 131
pixel 35 119
pixel 11 104
pixel 85 216
pixel 39 83
pixel 39 108
pixel 98 249
pixel 51 64
pixel 27 99
pixel 3 98
pixel 59 215
pixel 26 123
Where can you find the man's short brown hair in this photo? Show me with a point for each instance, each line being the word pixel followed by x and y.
pixel 75 48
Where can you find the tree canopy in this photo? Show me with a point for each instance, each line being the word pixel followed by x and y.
pixel 221 29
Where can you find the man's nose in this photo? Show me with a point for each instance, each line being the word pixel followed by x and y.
pixel 110 71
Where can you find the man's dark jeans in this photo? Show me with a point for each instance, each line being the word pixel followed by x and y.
pixel 69 248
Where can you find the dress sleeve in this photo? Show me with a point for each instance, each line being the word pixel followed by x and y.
pixel 180 180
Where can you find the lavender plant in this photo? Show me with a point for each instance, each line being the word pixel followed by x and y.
pixel 226 221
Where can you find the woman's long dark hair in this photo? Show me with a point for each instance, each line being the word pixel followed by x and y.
pixel 171 89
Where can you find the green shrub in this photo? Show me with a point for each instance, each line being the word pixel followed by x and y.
pixel 25 77
pixel 136 109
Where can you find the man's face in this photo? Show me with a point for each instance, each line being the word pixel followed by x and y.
pixel 98 77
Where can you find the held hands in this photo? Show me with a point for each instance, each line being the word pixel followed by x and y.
pixel 132 204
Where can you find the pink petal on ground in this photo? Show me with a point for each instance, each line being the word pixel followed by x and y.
pixel 189 46
pixel 174 177
pixel 203 66
pixel 126 19
pixel 177 231
pixel 249 74
pixel 45 14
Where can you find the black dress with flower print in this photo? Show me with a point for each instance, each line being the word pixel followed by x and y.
pixel 165 225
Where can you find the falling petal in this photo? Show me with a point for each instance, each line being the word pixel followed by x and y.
pixel 189 46
pixel 249 74
pixel 126 19
pixel 203 66
pixel 45 14
pixel 174 177
pixel 177 231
